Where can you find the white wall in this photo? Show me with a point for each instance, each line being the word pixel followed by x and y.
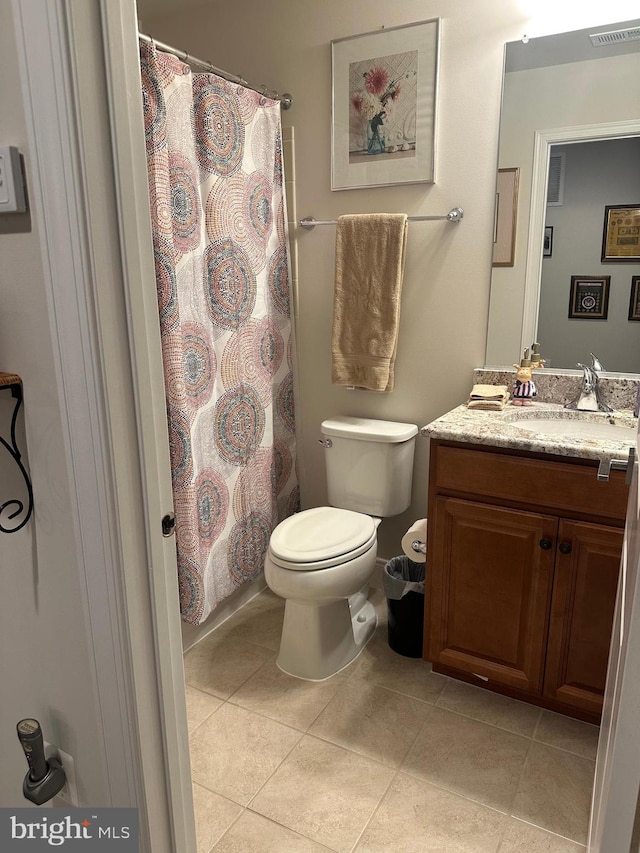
pixel 596 174
pixel 578 93
pixel 47 671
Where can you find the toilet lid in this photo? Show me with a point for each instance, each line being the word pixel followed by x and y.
pixel 323 534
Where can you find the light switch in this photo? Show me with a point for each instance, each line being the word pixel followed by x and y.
pixel 12 197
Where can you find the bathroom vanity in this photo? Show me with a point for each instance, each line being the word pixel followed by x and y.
pixel 524 548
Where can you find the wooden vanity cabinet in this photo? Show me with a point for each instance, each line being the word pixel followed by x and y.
pixel 522 570
pixel 582 603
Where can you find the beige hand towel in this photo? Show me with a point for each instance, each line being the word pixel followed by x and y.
pixel 496 405
pixel 488 392
pixel 370 252
pixel 488 397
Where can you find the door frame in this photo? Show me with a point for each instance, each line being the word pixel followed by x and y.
pixel 542 143
pixel 98 269
pixel 615 808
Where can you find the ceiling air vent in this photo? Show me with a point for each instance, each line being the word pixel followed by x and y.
pixel 555 184
pixel 615 37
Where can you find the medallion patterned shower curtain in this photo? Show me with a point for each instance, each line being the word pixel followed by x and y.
pixel 214 155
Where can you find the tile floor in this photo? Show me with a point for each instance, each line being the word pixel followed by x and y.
pixel 385 756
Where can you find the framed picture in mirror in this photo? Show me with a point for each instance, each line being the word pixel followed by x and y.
pixel 589 299
pixel 621 233
pixel 547 244
pixel 504 226
pixel 634 299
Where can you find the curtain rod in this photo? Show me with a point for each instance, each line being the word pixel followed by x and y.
pixel 285 100
pixel 454 215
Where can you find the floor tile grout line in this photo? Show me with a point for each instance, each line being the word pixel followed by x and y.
pixel 516 789
pixel 415 775
pixel 565 750
pixel 232 824
pixel 190 733
pixel 284 826
pixel 265 716
pixel 370 757
pixel 484 723
pixel 248 806
pixel 397 692
pixel 549 831
pixel 375 811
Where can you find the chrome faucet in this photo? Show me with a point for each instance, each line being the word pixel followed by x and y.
pixel 589 399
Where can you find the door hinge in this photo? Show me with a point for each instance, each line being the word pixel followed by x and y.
pixel 168 524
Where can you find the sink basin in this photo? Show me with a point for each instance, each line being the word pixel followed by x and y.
pixel 579 428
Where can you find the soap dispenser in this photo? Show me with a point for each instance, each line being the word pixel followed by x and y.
pixel 524 389
pixel 536 359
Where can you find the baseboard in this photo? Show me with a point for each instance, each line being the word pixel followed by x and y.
pixel 192 634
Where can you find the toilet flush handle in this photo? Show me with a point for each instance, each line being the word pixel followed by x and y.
pixel 325 442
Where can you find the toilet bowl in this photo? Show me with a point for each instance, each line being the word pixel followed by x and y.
pixel 320 561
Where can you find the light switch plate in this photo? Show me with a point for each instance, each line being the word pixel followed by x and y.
pixel 12 197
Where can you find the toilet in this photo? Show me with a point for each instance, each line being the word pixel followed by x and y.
pixel 321 560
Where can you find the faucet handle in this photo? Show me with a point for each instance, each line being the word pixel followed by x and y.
pixel 596 364
pixel 589 377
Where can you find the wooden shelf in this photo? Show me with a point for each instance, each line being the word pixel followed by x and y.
pixel 9 379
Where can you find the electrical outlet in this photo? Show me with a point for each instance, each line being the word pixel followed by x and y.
pixel 69 793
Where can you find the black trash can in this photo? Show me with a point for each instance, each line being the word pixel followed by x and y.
pixel 403 583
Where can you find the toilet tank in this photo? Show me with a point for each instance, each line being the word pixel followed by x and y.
pixel 369 464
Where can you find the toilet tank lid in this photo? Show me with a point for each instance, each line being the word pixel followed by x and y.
pixel 367 429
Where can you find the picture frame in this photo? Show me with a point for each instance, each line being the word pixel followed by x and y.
pixel 589 297
pixel 383 116
pixel 634 298
pixel 506 213
pixel 547 243
pixel 621 233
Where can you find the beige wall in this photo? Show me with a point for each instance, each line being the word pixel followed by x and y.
pixel 47 671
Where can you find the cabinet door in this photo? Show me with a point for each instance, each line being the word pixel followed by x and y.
pixel 491 573
pixel 584 594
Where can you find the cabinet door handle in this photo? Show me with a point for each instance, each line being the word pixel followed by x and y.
pixel 545 544
pixel 565 547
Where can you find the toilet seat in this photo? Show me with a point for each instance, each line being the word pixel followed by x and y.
pixel 321 537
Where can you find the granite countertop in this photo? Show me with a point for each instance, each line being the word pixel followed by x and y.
pixel 503 429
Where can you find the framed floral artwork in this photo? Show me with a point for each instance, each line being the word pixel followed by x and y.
pixel 384 107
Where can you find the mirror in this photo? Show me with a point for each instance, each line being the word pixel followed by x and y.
pixel 572 98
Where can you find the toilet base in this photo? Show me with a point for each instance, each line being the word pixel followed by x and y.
pixel 318 640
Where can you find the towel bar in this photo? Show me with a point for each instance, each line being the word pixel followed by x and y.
pixel 454 215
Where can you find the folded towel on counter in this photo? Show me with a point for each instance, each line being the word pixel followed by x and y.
pixel 370 253
pixel 488 392
pixel 488 397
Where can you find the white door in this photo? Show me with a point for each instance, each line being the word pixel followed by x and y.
pixel 615 796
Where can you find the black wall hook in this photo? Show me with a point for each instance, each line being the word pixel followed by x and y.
pixel 15 508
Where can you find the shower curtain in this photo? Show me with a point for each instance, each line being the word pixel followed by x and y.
pixel 214 155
